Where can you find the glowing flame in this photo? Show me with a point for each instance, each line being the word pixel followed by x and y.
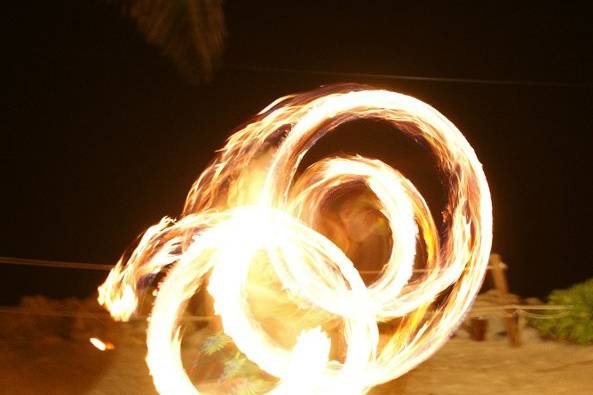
pixel 253 228
pixel 100 344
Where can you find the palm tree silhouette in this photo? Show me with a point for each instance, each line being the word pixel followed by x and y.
pixel 190 32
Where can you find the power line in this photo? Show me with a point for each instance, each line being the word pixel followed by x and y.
pixel 477 311
pixel 521 309
pixel 556 84
pixel 54 264
pixel 82 314
pixel 103 267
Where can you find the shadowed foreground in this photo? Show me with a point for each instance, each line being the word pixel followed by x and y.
pixel 51 355
pixel 462 366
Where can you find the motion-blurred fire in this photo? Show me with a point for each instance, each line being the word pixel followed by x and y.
pixel 288 296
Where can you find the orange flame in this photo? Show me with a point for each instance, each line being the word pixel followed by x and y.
pixel 246 211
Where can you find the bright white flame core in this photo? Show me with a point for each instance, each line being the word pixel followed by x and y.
pixel 246 203
pixel 100 344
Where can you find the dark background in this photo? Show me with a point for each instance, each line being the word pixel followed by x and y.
pixel 102 137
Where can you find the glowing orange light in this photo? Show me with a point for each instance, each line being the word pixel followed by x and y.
pixel 247 202
pixel 101 345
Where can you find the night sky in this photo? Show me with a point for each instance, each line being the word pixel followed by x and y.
pixel 102 136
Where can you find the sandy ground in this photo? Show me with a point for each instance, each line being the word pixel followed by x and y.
pixel 65 367
pixel 492 367
pixel 52 356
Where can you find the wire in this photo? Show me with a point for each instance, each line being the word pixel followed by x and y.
pixel 103 267
pixel 557 84
pixel 525 307
pixel 79 314
pixel 502 265
pixel 24 311
pixel 520 309
pixel 54 264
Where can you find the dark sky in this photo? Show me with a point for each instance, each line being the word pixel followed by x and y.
pixel 102 137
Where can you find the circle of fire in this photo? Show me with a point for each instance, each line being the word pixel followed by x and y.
pixel 247 205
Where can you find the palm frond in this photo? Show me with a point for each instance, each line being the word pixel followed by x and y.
pixel 190 32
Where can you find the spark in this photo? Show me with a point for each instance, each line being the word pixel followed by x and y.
pixel 101 344
pixel 252 226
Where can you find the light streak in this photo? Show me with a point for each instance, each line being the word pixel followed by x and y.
pixel 250 226
pixel 101 345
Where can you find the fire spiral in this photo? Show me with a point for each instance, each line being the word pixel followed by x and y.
pixel 247 210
